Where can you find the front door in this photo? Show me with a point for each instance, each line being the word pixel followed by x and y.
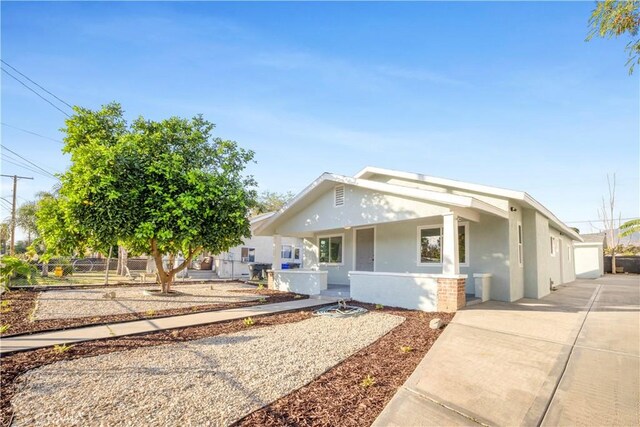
pixel 364 249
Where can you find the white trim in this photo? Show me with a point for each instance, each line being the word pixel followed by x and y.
pixel 520 241
pixel 482 275
pixel 552 244
pixel 301 271
pixel 374 245
pixel 331 264
pixel 495 191
pixel 282 250
pixel 464 224
pixel 414 193
pixel 416 275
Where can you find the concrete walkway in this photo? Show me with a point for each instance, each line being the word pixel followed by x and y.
pixel 572 358
pixel 88 333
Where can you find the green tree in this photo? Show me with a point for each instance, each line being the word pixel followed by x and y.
pixel 271 201
pixel 614 18
pixel 5 233
pixel 630 227
pixel 158 187
pixel 26 219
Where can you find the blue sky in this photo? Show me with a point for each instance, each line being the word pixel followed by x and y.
pixel 504 94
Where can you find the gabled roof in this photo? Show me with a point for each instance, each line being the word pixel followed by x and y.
pixel 519 196
pixel 327 180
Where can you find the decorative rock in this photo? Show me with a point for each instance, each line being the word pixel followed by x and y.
pixel 436 323
pixel 109 295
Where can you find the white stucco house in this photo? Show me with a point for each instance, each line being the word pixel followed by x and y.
pixel 256 249
pixel 420 242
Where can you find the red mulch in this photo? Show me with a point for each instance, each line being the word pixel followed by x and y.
pixel 23 302
pixel 337 397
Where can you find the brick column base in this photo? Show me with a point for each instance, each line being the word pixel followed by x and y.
pixel 451 294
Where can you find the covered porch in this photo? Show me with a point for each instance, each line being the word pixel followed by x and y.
pixel 405 250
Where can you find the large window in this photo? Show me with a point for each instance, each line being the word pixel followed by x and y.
pixel 248 254
pixel 430 244
pixel 330 249
pixel 286 251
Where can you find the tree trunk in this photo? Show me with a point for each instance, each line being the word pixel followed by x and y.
pixel 123 255
pixel 166 277
pixel 45 269
pixel 106 270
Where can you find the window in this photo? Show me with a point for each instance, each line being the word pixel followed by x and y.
pixel 286 251
pixel 248 254
pixel 296 254
pixel 338 193
pixel 330 249
pixel 520 255
pixel 553 246
pixel 430 244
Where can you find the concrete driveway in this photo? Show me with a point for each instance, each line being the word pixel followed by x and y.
pixel 571 358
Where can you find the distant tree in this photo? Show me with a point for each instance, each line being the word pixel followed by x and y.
pixel 158 187
pixel 26 219
pixel 271 201
pixel 614 18
pixel 607 215
pixel 630 227
pixel 5 233
pixel 20 247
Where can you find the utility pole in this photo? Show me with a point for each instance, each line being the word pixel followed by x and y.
pixel 13 210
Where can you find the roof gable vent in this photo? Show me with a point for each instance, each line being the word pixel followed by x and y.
pixel 338 193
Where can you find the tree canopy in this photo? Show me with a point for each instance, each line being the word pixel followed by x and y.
pixel 615 18
pixel 269 201
pixel 163 187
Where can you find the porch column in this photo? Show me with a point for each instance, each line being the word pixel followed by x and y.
pixel 277 252
pixel 450 254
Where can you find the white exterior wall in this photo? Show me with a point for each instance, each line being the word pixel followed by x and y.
pixel 300 281
pixel 589 260
pixel 411 291
pixel 516 270
pixel 555 260
pixel 263 254
pixel 361 207
pixel 536 254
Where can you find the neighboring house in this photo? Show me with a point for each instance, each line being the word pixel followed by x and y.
pixel 589 255
pixel 410 240
pixel 256 249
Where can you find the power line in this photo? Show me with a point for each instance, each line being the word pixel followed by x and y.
pixel 26 77
pixel 31 132
pixel 596 220
pixel 34 170
pixel 42 97
pixel 28 161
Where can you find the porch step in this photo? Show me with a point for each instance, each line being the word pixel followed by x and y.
pixel 472 300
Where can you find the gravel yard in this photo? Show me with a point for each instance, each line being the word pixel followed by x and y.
pixel 75 303
pixel 212 381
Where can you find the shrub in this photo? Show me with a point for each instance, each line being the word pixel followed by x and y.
pixel 62 348
pixel 368 381
pixel 379 306
pixel 4 328
pixel 260 286
pixel 12 267
pixel 262 300
pixel 406 349
pixel 297 297
pixel 248 321
pixel 150 312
